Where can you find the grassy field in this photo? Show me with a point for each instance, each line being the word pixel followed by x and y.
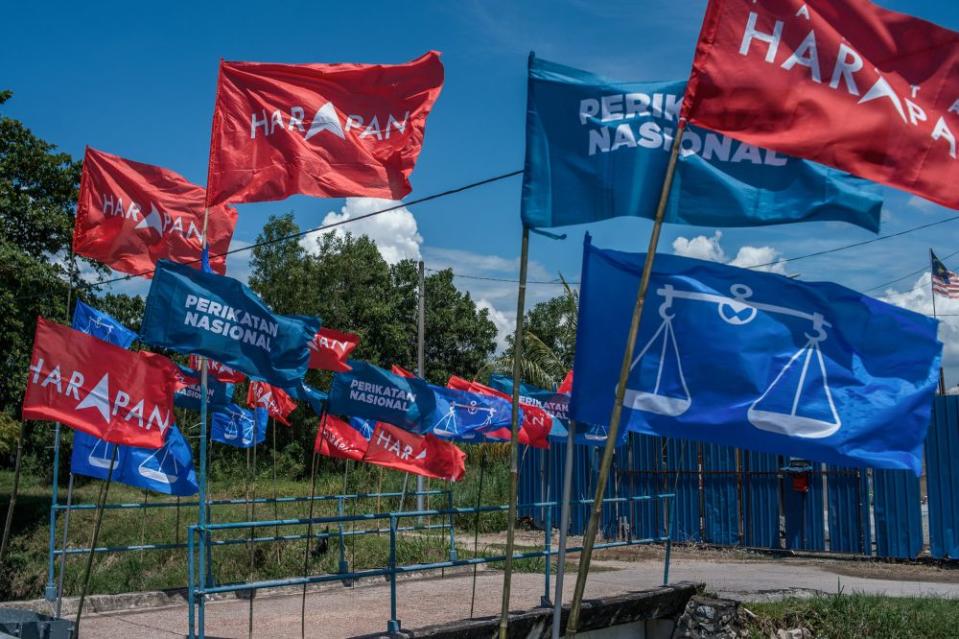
pixel 23 574
pixel 857 616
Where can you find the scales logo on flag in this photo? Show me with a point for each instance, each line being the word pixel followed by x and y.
pixel 746 358
pixel 801 386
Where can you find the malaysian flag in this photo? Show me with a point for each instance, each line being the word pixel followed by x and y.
pixel 944 281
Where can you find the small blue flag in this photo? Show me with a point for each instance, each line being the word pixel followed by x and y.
pixel 597 149
pixel 364 427
pixel 239 427
pixel 189 311
pixel 465 417
pixel 372 392
pixel 168 470
pixel 756 360
pixel 217 393
pixel 305 393
pixel 557 405
pixel 205 259
pixel 89 320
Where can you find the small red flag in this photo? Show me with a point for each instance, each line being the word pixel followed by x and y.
pixel 336 438
pixel 566 386
pixel 402 372
pixel 275 400
pixel 327 130
pixel 330 349
pixel 425 455
pixel 129 215
pixel 121 396
pixel 533 431
pixel 221 372
pixel 842 82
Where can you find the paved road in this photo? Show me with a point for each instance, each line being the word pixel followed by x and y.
pixel 343 612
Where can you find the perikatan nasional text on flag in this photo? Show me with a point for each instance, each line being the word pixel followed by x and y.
pixel 842 82
pixel 756 360
pixel 189 311
pixel 598 149
pixel 374 393
pixel 130 214
pixel 327 130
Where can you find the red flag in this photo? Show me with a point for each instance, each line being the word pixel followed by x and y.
pixel 402 372
pixel 533 431
pixel 328 130
pixel 842 82
pixel 336 438
pixel 221 372
pixel 566 386
pixel 129 215
pixel 330 349
pixel 275 400
pixel 425 455
pixel 103 390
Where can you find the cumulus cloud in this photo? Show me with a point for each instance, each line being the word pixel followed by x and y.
pixel 919 299
pixel 710 249
pixel 505 323
pixel 395 232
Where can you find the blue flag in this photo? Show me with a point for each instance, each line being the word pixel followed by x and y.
pixel 756 360
pixel 217 393
pixel 189 311
pixel 168 470
pixel 304 393
pixel 89 320
pixel 239 427
pixel 364 427
pixel 372 392
pixel 597 149
pixel 557 405
pixel 464 416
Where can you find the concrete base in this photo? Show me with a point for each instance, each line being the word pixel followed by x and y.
pixel 27 624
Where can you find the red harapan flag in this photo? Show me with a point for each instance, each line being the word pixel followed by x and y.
pixel 275 400
pixel 842 82
pixel 129 215
pixel 221 372
pixel 327 130
pixel 90 385
pixel 336 438
pixel 330 350
pixel 425 455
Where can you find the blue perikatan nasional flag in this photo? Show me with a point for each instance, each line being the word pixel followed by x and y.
pixel 89 320
pixel 239 427
pixel 464 416
pixel 375 393
pixel 557 405
pixel 597 149
pixel 168 470
pixel 189 311
pixel 188 396
pixel 756 360
pixel 305 393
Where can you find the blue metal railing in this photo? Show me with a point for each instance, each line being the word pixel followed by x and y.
pixel 197 592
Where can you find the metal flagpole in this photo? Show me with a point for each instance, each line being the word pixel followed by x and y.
pixel 514 434
pixel 309 536
pixel 613 431
pixel 276 505
pixel 479 503
pixel 63 554
pixel 104 490
pixel 202 496
pixel 252 534
pixel 932 290
pixel 420 357
pixel 563 528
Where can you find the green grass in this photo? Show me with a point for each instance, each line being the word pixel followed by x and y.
pixel 23 574
pixel 858 616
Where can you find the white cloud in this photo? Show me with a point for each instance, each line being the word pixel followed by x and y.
pixel 505 323
pixel 238 264
pixel 710 249
pixel 395 232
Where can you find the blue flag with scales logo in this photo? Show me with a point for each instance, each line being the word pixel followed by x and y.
pixel 597 149
pixel 756 360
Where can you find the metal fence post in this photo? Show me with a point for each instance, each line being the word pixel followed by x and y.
pixel 340 510
pixel 50 592
pixel 547 552
pixel 449 505
pixel 393 625
pixel 669 538
pixel 189 584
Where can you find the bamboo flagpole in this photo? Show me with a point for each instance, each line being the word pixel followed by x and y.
pixel 101 501
pixel 309 538
pixel 613 430
pixel 514 435
pixel 563 528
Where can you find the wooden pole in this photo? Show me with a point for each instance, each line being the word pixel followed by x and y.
pixel 613 431
pixel 479 503
pixel 563 528
pixel 514 434
pixel 101 501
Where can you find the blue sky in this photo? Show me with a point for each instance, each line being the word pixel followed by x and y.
pixel 138 80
